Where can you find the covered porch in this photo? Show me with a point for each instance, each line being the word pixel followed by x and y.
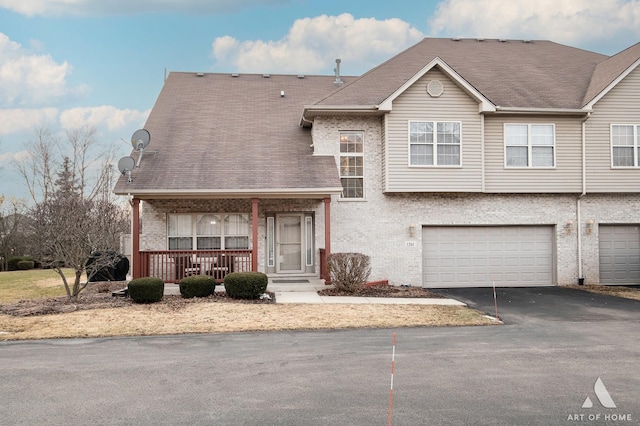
pixel 267 248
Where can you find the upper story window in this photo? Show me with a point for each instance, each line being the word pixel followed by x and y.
pixel 529 145
pixel 208 231
pixel 352 164
pixel 624 145
pixel 434 143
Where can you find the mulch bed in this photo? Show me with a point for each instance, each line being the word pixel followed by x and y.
pixel 99 296
pixel 383 290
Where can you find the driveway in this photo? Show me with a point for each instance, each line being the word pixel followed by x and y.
pixel 537 369
pixel 524 304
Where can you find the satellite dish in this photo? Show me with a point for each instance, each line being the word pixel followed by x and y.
pixel 125 165
pixel 139 141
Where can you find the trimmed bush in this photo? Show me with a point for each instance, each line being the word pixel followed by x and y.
pixel 348 271
pixel 25 265
pixel 146 290
pixel 245 285
pixel 197 286
pixel 12 262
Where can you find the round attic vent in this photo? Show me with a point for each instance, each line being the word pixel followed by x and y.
pixel 435 88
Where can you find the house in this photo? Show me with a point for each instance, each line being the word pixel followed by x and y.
pixel 458 162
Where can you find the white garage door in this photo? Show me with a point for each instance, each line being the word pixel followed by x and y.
pixel 619 254
pixel 478 256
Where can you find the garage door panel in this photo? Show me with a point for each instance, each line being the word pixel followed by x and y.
pixel 479 256
pixel 619 254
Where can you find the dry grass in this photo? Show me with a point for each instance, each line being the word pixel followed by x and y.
pixel 140 320
pixel 16 285
pixel 611 290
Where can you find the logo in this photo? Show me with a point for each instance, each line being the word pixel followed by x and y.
pixel 602 394
pixel 606 401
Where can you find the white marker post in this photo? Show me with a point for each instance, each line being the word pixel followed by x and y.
pixel 393 361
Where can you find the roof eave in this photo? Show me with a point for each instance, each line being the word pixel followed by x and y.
pixel 309 112
pixel 541 111
pixel 230 193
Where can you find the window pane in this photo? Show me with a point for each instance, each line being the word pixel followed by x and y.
pixel 448 133
pixel 236 224
pixel 179 225
pixel 351 142
pixel 421 132
pixel 351 166
pixel 421 155
pixel 352 188
pixel 180 243
pixel 542 156
pixel 541 134
pixel 448 155
pixel 236 243
pixel 623 157
pixel 208 224
pixel 622 135
pixel 517 156
pixel 208 243
pixel 516 134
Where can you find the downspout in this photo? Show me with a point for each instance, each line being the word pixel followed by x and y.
pixel 584 192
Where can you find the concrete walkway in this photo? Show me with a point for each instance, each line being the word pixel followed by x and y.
pixel 298 292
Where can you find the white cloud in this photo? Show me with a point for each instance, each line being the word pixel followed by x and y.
pixel 127 7
pixel 29 79
pixel 313 44
pixel 20 120
pixel 105 117
pixel 574 22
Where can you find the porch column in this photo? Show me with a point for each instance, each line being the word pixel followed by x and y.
pixel 254 234
pixel 327 226
pixel 136 271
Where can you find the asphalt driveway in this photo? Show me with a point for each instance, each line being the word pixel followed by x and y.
pixel 523 304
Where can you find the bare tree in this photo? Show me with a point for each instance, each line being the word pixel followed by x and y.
pixel 38 169
pixel 74 215
pixel 12 241
pixel 68 228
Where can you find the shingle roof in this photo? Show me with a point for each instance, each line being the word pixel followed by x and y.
pixel 220 133
pixel 510 73
pixel 224 133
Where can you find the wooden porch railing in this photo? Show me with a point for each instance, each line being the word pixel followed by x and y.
pixel 173 265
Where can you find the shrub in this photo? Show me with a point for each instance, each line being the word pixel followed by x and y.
pixel 245 285
pixel 12 262
pixel 146 290
pixel 348 271
pixel 25 265
pixel 197 286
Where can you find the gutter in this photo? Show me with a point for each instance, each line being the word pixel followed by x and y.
pixel 578 200
pixel 542 111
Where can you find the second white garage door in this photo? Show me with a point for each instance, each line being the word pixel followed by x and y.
pixel 619 254
pixel 478 256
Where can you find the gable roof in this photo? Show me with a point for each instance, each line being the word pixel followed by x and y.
pixel 533 74
pixel 234 135
pixel 610 71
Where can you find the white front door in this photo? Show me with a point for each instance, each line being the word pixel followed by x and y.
pixel 289 239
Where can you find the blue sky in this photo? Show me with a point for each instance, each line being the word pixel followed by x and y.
pixel 69 63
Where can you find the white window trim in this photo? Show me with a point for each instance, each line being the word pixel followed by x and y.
pixel 194 230
pixel 435 146
pixel 529 146
pixel 352 154
pixel 635 146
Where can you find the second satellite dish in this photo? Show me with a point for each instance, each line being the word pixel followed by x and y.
pixel 125 165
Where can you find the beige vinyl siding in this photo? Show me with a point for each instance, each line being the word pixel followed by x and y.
pixel 415 104
pixel 620 106
pixel 565 177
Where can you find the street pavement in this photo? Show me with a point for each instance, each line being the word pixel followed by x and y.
pixel 536 369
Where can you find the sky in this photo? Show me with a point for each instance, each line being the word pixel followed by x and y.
pixel 65 64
